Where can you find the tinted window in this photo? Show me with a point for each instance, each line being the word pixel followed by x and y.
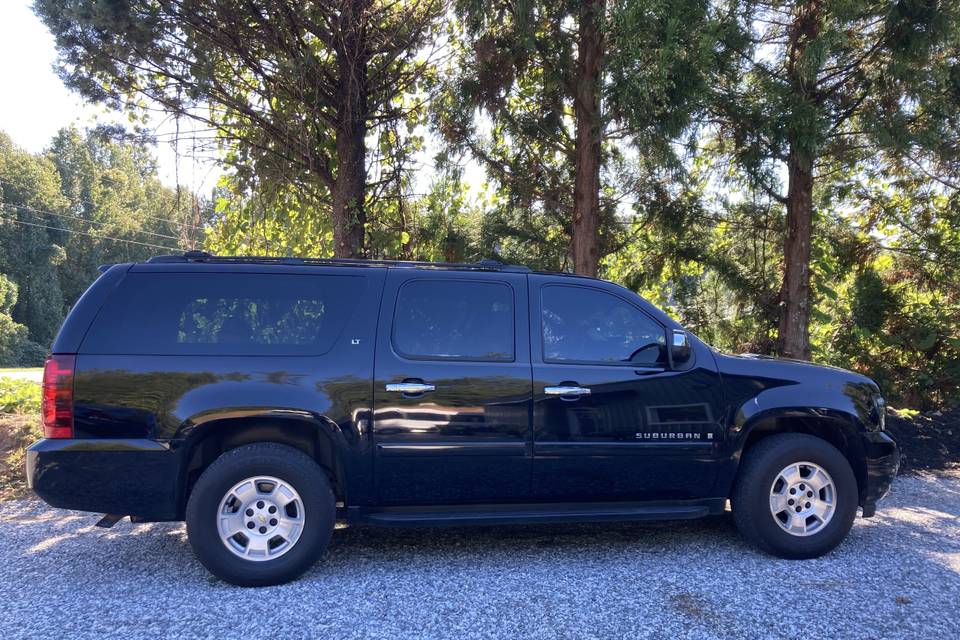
pixel 454 319
pixel 589 325
pixel 224 314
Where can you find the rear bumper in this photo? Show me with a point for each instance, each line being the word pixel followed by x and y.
pixel 125 477
pixel 882 457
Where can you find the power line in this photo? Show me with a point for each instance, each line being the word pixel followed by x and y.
pixel 39 212
pixel 75 201
pixel 92 235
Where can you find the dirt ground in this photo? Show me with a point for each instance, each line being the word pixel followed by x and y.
pixel 17 432
pixel 928 441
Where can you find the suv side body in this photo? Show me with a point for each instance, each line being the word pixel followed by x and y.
pixel 426 393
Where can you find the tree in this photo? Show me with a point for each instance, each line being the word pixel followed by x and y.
pixel 293 90
pixel 30 253
pixel 14 337
pixel 575 91
pixel 829 86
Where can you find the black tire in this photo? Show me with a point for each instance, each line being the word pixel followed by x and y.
pixel 751 495
pixel 268 459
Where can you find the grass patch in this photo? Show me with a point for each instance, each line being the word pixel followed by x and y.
pixel 19 396
pixel 6 370
pixel 19 428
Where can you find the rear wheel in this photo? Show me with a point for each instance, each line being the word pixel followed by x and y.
pixel 795 496
pixel 261 514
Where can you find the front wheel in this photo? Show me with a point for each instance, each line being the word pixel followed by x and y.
pixel 261 514
pixel 795 496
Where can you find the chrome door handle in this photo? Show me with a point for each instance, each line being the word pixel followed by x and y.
pixel 566 391
pixel 410 387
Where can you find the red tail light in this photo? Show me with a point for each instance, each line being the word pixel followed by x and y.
pixel 58 396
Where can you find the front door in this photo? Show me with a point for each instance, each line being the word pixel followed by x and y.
pixel 452 389
pixel 612 422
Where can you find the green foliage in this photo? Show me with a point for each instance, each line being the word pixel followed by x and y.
pixel 15 346
pixel 13 339
pixel 19 396
pixel 516 63
pixel 294 91
pixel 870 301
pixel 702 105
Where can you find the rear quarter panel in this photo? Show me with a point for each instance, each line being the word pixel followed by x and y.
pixel 177 399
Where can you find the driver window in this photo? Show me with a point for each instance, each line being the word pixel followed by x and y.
pixel 586 325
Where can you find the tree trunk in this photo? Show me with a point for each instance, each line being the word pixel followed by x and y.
pixel 586 189
pixel 795 290
pixel 350 180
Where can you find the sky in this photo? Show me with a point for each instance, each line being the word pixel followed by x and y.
pixel 36 104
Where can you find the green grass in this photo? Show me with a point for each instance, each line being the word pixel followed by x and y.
pixel 19 396
pixel 19 428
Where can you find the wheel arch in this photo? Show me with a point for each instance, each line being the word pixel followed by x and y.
pixel 838 428
pixel 316 436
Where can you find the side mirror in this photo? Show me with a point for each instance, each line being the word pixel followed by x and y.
pixel 680 349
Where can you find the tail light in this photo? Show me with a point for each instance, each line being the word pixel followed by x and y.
pixel 57 402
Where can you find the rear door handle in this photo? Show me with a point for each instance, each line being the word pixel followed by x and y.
pixel 410 387
pixel 566 391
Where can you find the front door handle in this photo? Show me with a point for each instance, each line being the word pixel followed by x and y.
pixel 566 391
pixel 410 387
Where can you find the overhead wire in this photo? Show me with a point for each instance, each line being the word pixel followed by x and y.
pixel 39 212
pixel 92 235
pixel 94 204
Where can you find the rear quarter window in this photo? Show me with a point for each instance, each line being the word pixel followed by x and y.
pixel 224 314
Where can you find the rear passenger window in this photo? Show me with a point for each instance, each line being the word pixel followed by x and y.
pixel 454 319
pixel 224 314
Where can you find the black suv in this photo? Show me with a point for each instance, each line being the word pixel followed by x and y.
pixel 260 399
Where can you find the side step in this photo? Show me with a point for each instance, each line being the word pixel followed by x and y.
pixel 461 515
pixel 110 519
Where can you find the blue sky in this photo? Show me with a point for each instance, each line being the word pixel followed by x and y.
pixel 35 104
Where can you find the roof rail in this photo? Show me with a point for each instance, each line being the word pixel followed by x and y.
pixel 486 264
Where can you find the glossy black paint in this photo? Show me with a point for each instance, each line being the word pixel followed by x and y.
pixel 467 441
pixel 487 445
pixel 123 476
pixel 607 445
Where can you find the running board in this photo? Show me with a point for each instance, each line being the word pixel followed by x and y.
pixel 527 514
pixel 110 519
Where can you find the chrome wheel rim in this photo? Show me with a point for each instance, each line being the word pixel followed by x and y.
pixel 803 498
pixel 260 518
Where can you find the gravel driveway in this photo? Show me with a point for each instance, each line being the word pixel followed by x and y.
pixel 898 576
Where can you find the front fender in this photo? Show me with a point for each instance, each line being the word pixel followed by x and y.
pixel 835 414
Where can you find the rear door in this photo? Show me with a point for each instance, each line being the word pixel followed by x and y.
pixel 452 389
pixel 611 421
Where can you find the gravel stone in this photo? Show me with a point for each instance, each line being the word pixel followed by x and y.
pixel 897 576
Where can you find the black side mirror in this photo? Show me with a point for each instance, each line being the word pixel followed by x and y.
pixel 680 349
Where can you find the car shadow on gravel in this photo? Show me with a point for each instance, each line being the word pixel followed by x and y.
pixel 72 541
pixel 162 547
pixel 640 536
pixel 896 576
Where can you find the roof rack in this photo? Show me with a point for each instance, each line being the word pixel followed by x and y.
pixel 487 264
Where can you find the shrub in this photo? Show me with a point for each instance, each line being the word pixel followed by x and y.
pixel 19 396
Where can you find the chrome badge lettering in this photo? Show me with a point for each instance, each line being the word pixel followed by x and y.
pixel 673 435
